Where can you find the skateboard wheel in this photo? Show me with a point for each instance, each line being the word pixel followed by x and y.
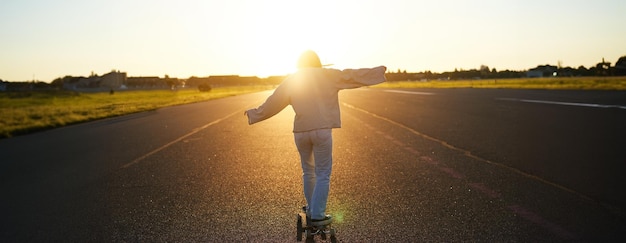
pixel 299 228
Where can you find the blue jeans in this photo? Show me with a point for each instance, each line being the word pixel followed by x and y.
pixel 316 154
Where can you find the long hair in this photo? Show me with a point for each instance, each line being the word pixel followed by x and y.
pixel 309 59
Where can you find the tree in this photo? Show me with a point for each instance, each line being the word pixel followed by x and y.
pixel 620 66
pixel 484 71
pixel 582 71
pixel 171 82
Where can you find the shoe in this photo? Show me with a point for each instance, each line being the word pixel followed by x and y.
pixel 321 222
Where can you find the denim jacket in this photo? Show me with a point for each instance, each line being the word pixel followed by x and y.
pixel 313 95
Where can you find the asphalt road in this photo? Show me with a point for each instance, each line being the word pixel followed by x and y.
pixel 409 165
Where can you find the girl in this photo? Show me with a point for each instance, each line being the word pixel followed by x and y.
pixel 312 92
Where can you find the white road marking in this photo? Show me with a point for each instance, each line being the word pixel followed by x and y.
pixel 194 131
pixel 564 103
pixel 408 92
pixel 467 153
pixel 481 187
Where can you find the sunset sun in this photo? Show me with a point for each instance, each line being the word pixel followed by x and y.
pixel 280 36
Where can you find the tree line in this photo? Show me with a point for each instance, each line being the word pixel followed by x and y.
pixel 484 72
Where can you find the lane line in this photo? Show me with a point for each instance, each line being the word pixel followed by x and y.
pixel 480 187
pixel 429 160
pixel 466 152
pixel 451 172
pixel 408 92
pixel 523 212
pixel 535 218
pixel 193 131
pixel 564 103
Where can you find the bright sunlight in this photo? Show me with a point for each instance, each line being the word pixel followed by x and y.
pixel 281 34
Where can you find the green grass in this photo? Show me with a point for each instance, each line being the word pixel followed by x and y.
pixel 579 83
pixel 25 112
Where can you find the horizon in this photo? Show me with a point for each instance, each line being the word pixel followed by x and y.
pixel 265 77
pixel 43 40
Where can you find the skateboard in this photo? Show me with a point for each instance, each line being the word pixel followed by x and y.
pixel 310 231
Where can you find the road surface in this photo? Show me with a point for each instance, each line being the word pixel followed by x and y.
pixel 409 165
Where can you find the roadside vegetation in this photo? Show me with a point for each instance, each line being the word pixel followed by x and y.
pixel 571 83
pixel 28 111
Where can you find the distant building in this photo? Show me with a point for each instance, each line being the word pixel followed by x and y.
pixel 113 80
pixel 534 74
pixel 3 86
pixel 620 66
pixel 542 71
pixel 603 68
pixel 147 82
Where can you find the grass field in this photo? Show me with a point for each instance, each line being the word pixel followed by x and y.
pixel 580 83
pixel 25 112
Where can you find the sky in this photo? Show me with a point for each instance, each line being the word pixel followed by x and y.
pixel 44 39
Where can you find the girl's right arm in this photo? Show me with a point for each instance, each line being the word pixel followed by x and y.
pixel 274 104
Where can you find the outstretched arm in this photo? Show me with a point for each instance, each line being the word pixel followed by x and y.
pixel 354 78
pixel 274 104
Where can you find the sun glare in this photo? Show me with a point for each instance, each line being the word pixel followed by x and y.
pixel 281 34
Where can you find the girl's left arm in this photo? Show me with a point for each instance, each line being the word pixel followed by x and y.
pixel 354 78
